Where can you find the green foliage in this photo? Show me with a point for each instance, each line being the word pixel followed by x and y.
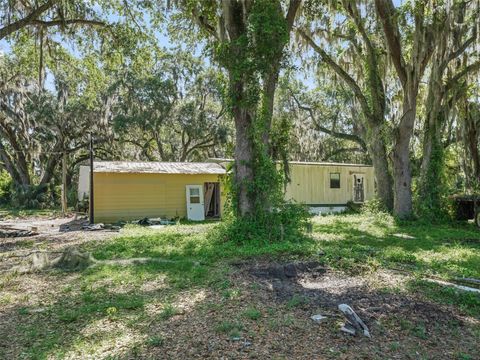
pixel 251 59
pixel 45 196
pixel 279 225
pixel 468 302
pixel 230 328
pixel 252 313
pixel 172 110
pixel 431 195
pixel 374 207
pixel 168 311
pixel 5 187
pixel 297 301
pixel 155 341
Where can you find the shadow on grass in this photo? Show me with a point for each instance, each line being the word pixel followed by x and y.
pixel 102 295
pixel 99 304
pixel 351 240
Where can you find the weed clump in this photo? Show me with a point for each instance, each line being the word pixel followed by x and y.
pixel 287 223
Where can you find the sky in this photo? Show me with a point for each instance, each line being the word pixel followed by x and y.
pixel 162 39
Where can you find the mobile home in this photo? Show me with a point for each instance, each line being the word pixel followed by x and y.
pixel 132 190
pixel 328 187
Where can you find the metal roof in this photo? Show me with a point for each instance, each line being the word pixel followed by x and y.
pixel 220 160
pixel 157 167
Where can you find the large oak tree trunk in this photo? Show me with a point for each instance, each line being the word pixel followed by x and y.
pixel 471 139
pixel 235 22
pixel 401 158
pixel 432 128
pixel 236 17
pixel 243 161
pixel 383 176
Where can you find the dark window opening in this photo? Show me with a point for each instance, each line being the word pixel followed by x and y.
pixel 334 180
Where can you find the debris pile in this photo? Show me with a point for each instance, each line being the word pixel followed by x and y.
pixel 11 232
pixel 154 221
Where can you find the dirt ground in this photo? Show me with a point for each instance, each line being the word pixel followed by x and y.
pixel 402 327
pixel 263 312
pixel 54 234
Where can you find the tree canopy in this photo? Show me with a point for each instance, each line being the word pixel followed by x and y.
pixel 390 83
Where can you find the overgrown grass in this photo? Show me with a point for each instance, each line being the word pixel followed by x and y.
pixel 196 258
pixel 354 243
pixel 9 212
pixel 359 242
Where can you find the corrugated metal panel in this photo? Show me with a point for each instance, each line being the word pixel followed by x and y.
pixel 157 167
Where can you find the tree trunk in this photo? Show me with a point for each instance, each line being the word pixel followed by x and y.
pixel 471 136
pixel 64 184
pixel 382 173
pixel 401 157
pixel 243 160
pixel 9 166
pixel 269 87
pixel 432 143
pixel 235 17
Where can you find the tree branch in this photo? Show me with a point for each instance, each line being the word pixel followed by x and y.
pixel 387 14
pixel 67 22
pixel 19 24
pixel 323 129
pixel 470 68
pixel 463 47
pixel 340 71
pixel 292 13
pixel 341 150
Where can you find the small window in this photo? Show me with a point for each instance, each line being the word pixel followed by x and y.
pixel 194 196
pixel 334 180
pixel 194 200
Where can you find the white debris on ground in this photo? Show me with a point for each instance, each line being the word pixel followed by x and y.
pixel 354 322
pixel 318 318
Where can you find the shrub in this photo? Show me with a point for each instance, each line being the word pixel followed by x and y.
pixel 72 196
pixel 285 223
pixel 5 185
pixel 374 207
pixel 34 196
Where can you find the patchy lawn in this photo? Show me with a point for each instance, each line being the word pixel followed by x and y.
pixel 9 213
pixel 211 298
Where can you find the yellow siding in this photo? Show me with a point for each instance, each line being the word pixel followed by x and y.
pixel 310 184
pixel 126 196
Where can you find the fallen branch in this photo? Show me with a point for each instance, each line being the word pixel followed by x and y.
pixel 460 287
pixel 31 253
pixel 354 323
pixel 435 279
pixel 468 280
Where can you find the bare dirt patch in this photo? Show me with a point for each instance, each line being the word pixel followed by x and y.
pixel 50 237
pixel 287 295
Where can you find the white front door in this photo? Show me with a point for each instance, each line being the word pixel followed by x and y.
pixel 195 207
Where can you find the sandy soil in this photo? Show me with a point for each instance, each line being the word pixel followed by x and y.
pixel 54 234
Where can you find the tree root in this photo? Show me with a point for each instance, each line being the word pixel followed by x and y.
pixel 73 259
